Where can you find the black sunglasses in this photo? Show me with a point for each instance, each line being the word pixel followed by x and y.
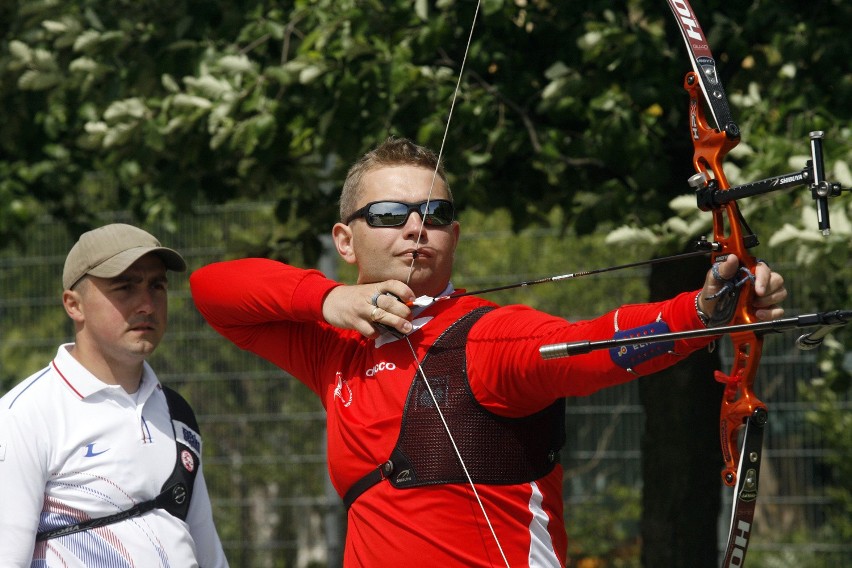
pixel 439 213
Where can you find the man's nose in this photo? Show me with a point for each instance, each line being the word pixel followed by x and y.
pixel 147 300
pixel 413 225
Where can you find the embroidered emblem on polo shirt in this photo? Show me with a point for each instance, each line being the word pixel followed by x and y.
pixel 90 451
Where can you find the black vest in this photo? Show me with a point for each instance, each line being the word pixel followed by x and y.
pixel 496 450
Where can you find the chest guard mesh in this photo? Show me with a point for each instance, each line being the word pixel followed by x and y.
pixel 496 450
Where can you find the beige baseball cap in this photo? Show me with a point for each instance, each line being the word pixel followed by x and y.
pixel 108 251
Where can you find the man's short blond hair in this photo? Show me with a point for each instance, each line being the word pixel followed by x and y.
pixel 392 152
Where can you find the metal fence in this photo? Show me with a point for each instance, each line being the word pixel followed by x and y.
pixel 259 424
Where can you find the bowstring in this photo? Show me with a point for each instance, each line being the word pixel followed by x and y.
pixel 411 272
pixel 444 138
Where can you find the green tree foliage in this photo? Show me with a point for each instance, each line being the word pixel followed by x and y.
pixel 153 106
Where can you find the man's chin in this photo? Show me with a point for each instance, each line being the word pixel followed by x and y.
pixel 144 347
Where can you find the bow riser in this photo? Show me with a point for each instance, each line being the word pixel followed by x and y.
pixel 739 402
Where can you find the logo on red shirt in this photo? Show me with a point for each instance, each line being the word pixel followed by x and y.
pixel 342 390
pixel 378 367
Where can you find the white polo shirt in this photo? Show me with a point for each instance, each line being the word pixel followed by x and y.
pixel 73 448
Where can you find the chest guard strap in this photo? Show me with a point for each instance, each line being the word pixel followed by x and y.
pixel 496 450
pixel 176 492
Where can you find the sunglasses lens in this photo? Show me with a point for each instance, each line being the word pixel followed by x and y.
pixel 440 213
pixel 387 214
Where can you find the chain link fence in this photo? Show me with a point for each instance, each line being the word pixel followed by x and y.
pixel 264 432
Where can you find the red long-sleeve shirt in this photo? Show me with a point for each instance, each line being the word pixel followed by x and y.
pixel 275 311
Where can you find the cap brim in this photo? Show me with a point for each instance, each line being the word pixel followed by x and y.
pixel 112 267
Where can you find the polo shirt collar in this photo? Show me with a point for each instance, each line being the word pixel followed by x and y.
pixel 85 384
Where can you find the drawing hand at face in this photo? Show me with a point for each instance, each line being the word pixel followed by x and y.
pixel 366 308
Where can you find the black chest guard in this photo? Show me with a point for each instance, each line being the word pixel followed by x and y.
pixel 496 450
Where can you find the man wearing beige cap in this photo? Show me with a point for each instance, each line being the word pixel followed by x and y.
pixel 100 464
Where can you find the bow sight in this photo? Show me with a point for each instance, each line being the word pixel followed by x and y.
pixel 710 196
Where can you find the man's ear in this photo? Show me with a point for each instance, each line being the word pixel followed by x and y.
pixel 72 302
pixel 342 235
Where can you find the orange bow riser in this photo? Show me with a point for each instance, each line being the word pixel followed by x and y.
pixel 730 236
